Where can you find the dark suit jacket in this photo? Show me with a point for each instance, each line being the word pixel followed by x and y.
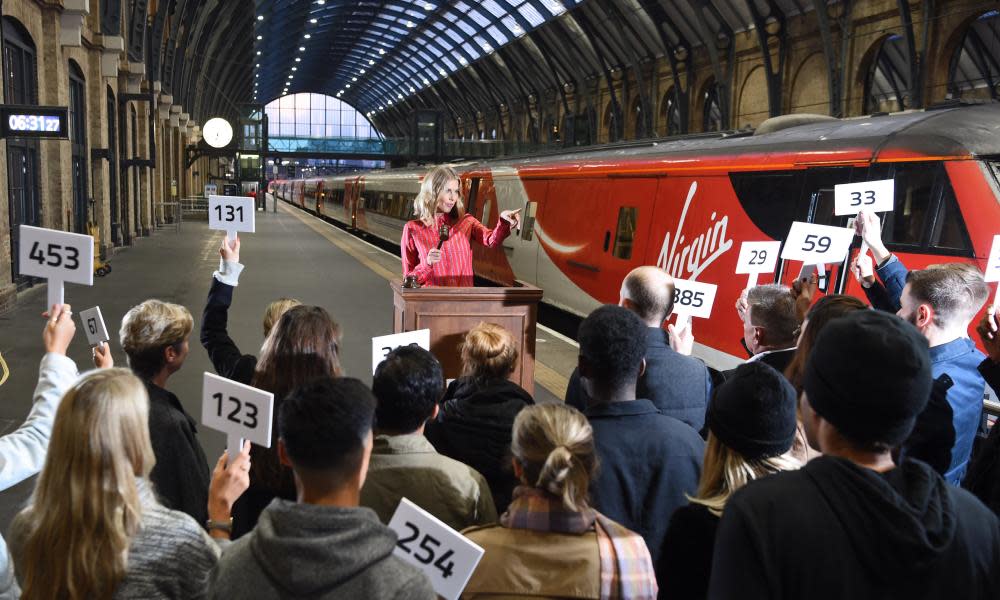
pixel 779 360
pixel 648 462
pixel 678 385
pixel 226 357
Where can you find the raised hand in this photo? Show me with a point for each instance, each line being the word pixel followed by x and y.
pixel 230 251
pixel 59 329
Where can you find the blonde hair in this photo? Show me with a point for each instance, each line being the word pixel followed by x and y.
pixel 554 445
pixel 148 329
pixel 274 310
pixel 488 352
pixel 86 505
pixel 425 205
pixel 724 471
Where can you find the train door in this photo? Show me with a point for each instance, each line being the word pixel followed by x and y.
pixel 627 227
pixel 507 191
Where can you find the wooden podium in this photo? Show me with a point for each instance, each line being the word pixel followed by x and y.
pixel 450 312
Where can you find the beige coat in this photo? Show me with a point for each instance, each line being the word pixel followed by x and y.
pixel 521 562
pixel 408 466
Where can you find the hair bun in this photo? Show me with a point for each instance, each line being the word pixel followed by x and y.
pixel 554 473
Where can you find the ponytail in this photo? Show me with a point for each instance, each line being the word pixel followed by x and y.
pixel 554 444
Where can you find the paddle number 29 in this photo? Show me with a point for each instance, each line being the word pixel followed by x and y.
pixel 427 550
pixel 238 406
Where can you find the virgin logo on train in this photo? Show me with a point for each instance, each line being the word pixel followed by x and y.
pixel 689 259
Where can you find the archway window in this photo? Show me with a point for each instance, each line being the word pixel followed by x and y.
pixel 610 123
pixel 78 145
pixel 114 196
pixel 888 83
pixel 711 116
pixel 20 75
pixel 317 116
pixel 975 69
pixel 670 113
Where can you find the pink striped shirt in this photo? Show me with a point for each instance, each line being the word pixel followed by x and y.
pixel 455 268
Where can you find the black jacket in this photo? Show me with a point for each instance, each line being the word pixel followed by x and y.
pixel 983 477
pixel 678 385
pixel 686 560
pixel 226 357
pixel 474 427
pixel 778 359
pixel 834 530
pixel 648 462
pixel 181 473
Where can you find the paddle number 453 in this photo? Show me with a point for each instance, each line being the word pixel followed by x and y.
pixel 427 550
pixel 55 255
pixel 250 410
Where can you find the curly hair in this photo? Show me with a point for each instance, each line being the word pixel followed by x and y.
pixel 613 344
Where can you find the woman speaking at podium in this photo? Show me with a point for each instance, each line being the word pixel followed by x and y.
pixel 436 246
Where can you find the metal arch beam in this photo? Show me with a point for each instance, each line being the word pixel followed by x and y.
pixel 774 72
pixel 154 61
pixel 723 78
pixel 915 56
pixel 616 107
pixel 138 17
pixel 682 86
pixel 613 11
pixel 835 67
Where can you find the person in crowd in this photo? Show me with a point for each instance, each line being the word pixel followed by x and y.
pixel 22 451
pixel 852 523
pixel 321 545
pixel 441 216
pixel 93 527
pixel 771 322
pixel 822 312
pixel 649 461
pixel 551 542
pixel 154 336
pixel 676 384
pixel 474 422
pixel 303 345
pixel 407 386
pixel 751 426
pixel 941 301
pixel 983 478
pixel 226 357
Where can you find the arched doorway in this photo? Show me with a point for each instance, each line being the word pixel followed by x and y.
pixel 711 109
pixel 670 113
pixel 20 72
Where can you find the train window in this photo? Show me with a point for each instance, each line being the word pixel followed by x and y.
pixel 949 233
pixel 473 192
pixel 625 232
pixel 915 193
pixel 771 199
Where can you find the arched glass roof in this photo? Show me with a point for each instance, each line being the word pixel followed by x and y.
pixel 376 53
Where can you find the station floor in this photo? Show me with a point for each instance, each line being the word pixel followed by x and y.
pixel 291 254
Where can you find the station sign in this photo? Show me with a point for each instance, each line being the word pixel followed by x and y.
pixel 26 121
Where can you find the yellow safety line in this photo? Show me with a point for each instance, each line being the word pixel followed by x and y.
pixel 544 375
pixel 6 371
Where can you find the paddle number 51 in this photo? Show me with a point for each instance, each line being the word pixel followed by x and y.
pixel 427 549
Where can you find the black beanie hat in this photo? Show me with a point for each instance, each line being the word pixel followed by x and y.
pixel 869 375
pixel 753 412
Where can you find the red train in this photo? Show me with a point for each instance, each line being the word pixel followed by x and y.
pixel 687 204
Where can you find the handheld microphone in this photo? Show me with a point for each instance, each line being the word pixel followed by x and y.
pixel 442 236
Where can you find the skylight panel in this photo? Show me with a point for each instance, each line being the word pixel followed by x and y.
pixel 531 15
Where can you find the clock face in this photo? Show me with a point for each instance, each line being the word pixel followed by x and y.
pixel 217 132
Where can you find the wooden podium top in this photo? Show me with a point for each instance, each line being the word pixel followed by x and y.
pixel 519 291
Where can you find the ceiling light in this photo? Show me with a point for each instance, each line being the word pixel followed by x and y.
pixel 412 90
pixel 260 37
pixel 462 60
pixel 428 6
pixel 400 96
pixel 361 71
pixel 302 48
pixel 371 62
pixel 347 85
pixel 390 102
pixel 381 51
pixel 258 53
pixel 297 59
pixel 354 78
pixel 410 24
pixel 307 36
pixel 260 17
pixel 295 68
pixel 321 2
pixel 312 20
pixel 441 71
pixel 257 65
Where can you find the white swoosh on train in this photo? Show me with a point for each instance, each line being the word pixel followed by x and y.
pixel 563 248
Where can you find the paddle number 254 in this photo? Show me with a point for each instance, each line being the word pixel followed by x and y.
pixel 427 550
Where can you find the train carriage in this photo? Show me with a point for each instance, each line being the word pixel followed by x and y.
pixel 686 205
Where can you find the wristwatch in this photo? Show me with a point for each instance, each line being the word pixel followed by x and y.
pixel 226 526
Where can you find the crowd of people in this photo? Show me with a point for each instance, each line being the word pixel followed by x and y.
pixel 840 460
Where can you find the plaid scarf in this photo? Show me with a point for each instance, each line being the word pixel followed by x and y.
pixel 626 568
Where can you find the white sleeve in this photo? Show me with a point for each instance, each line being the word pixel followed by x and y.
pixel 229 272
pixel 22 452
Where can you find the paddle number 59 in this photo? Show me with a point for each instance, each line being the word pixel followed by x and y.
pixel 813 241
pixel 426 550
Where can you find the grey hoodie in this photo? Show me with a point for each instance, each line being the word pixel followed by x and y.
pixel 318 552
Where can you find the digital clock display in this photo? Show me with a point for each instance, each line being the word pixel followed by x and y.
pixel 27 121
pixel 33 123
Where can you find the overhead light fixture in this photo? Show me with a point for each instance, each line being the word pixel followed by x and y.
pixel 347 85
pixel 412 90
pixel 297 59
pixel 260 37
pixel 257 65
pixel 354 78
pixel 428 6
pixel 312 20
pixel 381 51
pixel 258 53
pixel 361 71
pixel 302 48
pixel 321 2
pixel 462 60
pixel 371 62
pixel 295 68
pixel 410 24
pixel 260 17
pixel 307 36
pixel 400 96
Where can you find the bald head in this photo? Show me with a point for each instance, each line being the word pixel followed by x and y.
pixel 649 293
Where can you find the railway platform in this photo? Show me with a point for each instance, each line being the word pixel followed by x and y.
pixel 291 254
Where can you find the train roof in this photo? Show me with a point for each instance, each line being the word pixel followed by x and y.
pixel 949 133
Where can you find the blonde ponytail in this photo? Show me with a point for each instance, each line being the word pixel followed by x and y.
pixel 554 444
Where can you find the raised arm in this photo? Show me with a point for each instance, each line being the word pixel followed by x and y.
pixel 890 270
pixel 491 238
pixel 222 350
pixel 22 452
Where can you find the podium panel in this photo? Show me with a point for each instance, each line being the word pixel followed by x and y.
pixel 450 312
